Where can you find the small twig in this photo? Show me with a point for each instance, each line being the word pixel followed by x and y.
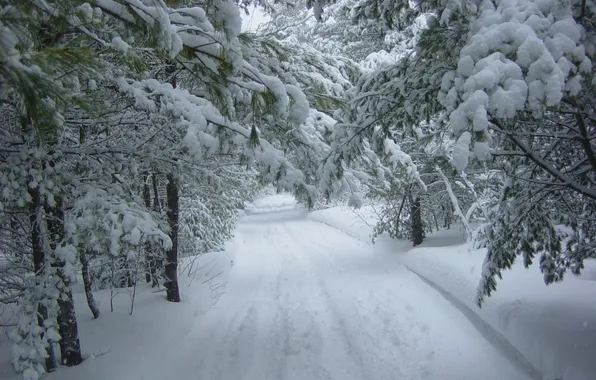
pixel 203 266
pixel 211 278
pixel 101 353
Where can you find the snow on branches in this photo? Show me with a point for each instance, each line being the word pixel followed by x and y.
pixel 520 55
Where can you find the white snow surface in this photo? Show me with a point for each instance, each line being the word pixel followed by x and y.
pixel 296 297
pixel 551 329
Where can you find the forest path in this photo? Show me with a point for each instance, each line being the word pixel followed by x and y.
pixel 307 301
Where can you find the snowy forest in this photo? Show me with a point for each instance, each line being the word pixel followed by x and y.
pixel 135 136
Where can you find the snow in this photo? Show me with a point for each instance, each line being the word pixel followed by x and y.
pixel 120 45
pixel 299 295
pixel 465 66
pixel 299 110
pixel 114 7
pixel 122 346
pixel 461 151
pixel 85 11
pixel 278 89
pixel 480 120
pixel 254 19
pixel 397 156
pixel 304 304
pixel 551 328
pixel 482 150
pixel 573 85
pixel 229 15
pixel 281 203
pixel 519 54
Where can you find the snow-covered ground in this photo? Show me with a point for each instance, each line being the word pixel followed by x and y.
pixel 551 330
pixel 306 297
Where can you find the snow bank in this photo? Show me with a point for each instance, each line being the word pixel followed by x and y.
pixel 120 345
pixel 553 327
pixel 356 223
pixel 271 204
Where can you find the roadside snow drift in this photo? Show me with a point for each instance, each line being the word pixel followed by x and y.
pixel 553 327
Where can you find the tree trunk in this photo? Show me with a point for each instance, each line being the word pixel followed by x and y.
pixel 407 194
pixel 417 227
pixel 147 199
pixel 70 347
pixel 149 259
pixel 131 279
pixel 171 267
pixel 398 217
pixel 85 260
pixel 156 205
pixel 124 274
pixel 87 283
pixel 447 212
pixel 156 208
pixel 35 218
pixel 172 199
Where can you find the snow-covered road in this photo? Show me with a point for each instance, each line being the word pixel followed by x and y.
pixel 306 301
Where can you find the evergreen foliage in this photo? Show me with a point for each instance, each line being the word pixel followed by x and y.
pixel 132 131
pixel 499 91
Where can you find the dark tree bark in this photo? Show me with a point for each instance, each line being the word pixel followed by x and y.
pixel 35 218
pixel 70 346
pixel 87 283
pixel 447 212
pixel 149 256
pixel 436 221
pixel 407 194
pixel 85 260
pixel 398 216
pixel 157 208
pixel 147 200
pixel 130 275
pixel 171 267
pixel 172 199
pixel 124 274
pixel 156 205
pixel 82 135
pixel 417 226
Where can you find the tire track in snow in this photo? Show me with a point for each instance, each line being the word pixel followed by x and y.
pixel 228 353
pixel 302 337
pixel 290 342
pixel 288 320
pixel 280 335
pixel 393 349
pixel 491 335
pixel 216 352
pixel 317 301
pixel 273 322
pixel 225 343
pixel 495 338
